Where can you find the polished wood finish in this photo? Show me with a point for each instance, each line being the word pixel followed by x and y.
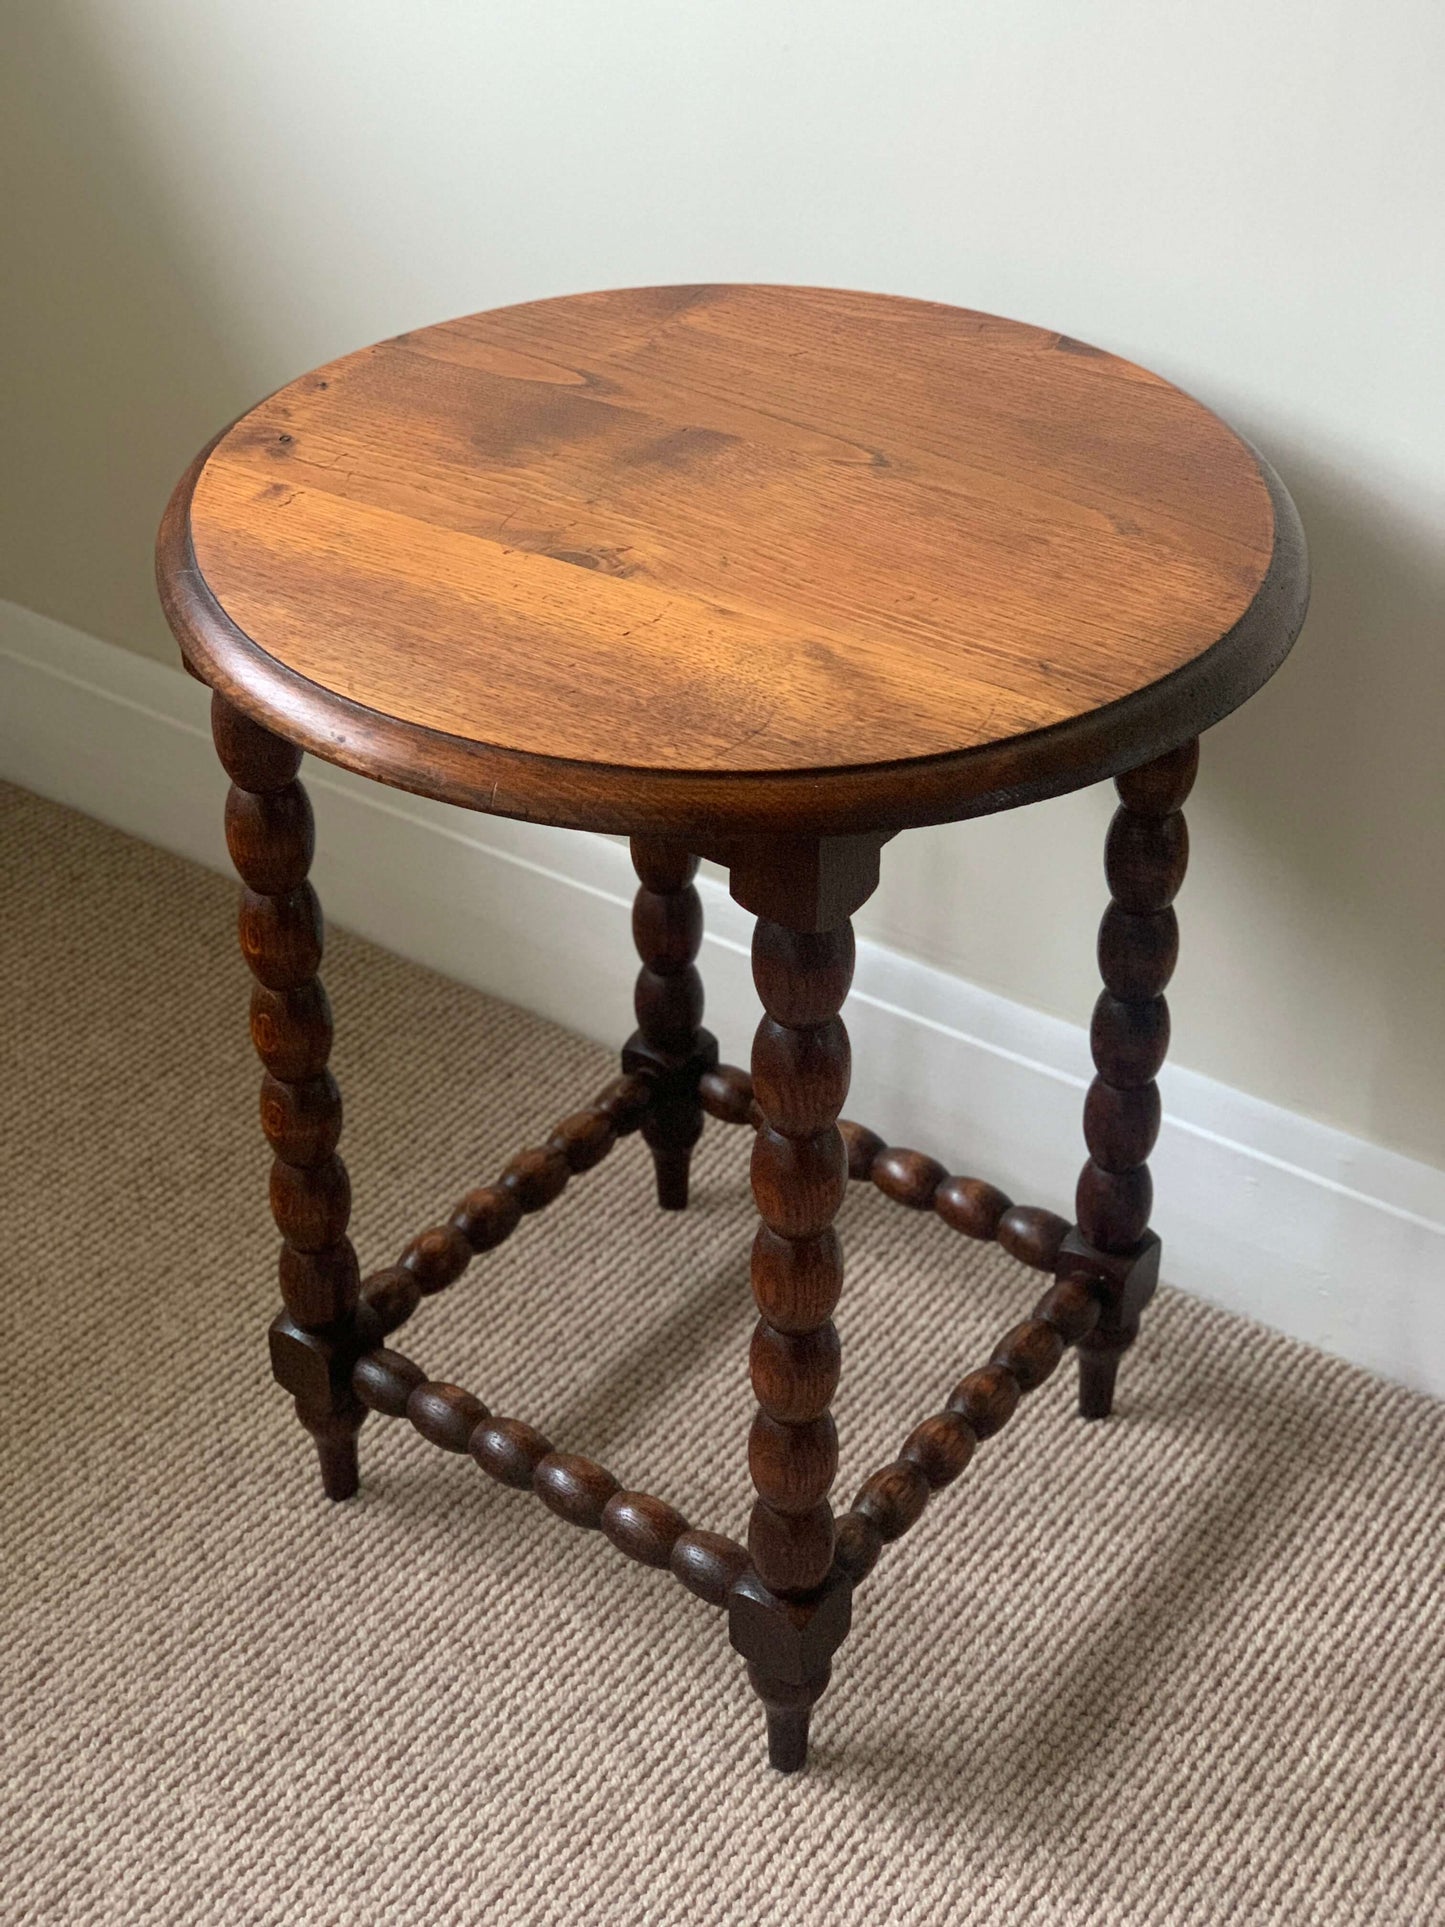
pixel 709 1564
pixel 1032 1235
pixel 799 1172
pixel 510 1451
pixel 762 576
pixel 806 882
pixel 936 1451
pixel 972 1206
pixel 528 1182
pixel 908 1177
pixel 726 1093
pixel 644 1529
pixel 388 1299
pixel 270 837
pixel 384 1381
pixel 575 1488
pixel 870 562
pixel 1145 855
pixel 789 1645
pixel 801 1065
pixel 445 1414
pixel 669 1045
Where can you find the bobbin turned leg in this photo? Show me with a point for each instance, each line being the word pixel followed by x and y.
pixel 669 1042
pixel 789 1614
pixel 270 836
pixel 1144 861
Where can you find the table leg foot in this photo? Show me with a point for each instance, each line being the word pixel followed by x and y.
pixel 1098 1373
pixel 672 1163
pixel 789 1709
pixel 335 1434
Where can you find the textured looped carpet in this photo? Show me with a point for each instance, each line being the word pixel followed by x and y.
pixel 1185 1667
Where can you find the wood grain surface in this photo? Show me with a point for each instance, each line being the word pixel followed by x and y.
pixel 728 537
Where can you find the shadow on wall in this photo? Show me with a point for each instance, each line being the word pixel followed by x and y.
pixel 1335 775
pixel 1313 964
pixel 1314 968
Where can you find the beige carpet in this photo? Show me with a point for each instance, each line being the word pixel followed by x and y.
pixel 1186 1667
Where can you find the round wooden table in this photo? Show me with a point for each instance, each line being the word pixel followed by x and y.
pixel 765 575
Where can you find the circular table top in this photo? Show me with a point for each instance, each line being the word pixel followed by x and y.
pixel 732 558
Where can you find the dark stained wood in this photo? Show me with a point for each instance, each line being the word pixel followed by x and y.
pixel 800 1181
pixel 789 1645
pixel 1029 1353
pixel 1120 1124
pixel 575 1488
pixel 858 1545
pixel 708 1565
pixel 805 882
pixel 1160 787
pixel 795 1374
pixel 1114 1205
pixel 1032 1235
pixel 794 1544
pixel 1072 1307
pixel 509 1450
pixel 796 1281
pixel 669 1045
pixel 271 837
pixel 789 1705
pixel 893 1498
pixel 445 1414
pixel 762 575
pixel 311 1203
pixel 863 1147
pixel 940 1447
pixel 642 1528
pixel 268 828
pixel 625 1101
pixel 1144 861
pixel 1137 954
pixel 793 1464
pixel 987 1398
pixel 799 1171
pixel 302 1120
pixel 388 1298
pixel 436 1257
pixel 826 534
pixel 800 1072
pixel 489 1214
pixel 281 937
pixel 908 1177
pixel 318 1288
pixel 971 1206
pixel 384 1381
pixel 291 1031
pixel 583 1138
pixel 536 1176
pixel 255 759
pixel 1133 1034
pixel 726 1093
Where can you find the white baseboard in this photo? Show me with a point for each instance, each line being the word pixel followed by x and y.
pixel 1324 1236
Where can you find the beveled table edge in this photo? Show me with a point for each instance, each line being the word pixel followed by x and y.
pixel 705 805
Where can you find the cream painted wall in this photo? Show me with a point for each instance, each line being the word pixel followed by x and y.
pixel 205 197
